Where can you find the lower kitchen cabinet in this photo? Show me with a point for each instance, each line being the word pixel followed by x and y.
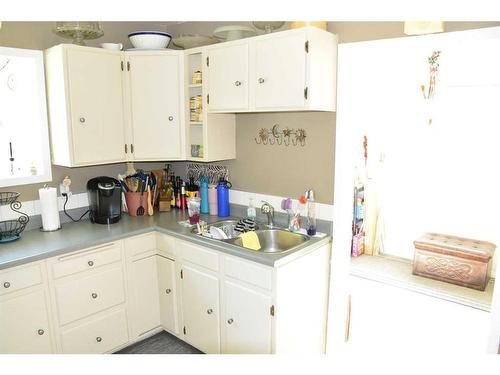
pixel 247 320
pixel 143 289
pixel 167 294
pixel 24 324
pixel 200 309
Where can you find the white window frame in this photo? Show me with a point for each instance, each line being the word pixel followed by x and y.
pixel 46 162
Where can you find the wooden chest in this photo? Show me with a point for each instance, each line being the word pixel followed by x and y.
pixel 452 259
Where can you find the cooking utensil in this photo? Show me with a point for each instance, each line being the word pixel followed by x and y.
pixel 133 184
pixel 140 209
pixel 150 205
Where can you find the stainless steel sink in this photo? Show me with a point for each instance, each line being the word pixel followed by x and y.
pixel 275 240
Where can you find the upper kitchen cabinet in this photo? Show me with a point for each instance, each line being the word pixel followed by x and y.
pixel 292 70
pixel 154 93
pixel 228 77
pixel 85 101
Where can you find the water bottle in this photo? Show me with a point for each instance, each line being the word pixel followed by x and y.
pixel 205 209
pixel 223 198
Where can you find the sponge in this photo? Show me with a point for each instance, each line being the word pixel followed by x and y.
pixel 250 241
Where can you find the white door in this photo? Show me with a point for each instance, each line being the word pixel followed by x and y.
pixel 24 324
pixel 247 320
pixel 154 88
pixel 228 78
pixel 200 309
pixel 280 71
pixel 96 98
pixel 167 293
pixel 144 290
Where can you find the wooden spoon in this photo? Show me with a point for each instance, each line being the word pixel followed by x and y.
pixel 150 206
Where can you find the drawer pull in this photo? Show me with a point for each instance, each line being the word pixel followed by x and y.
pixel 90 263
pixel 82 119
pixel 210 311
pixel 41 332
pixel 170 118
pixel 230 321
pixel 94 295
pixel 168 291
pixel 98 339
pixel 237 83
pixel 261 80
pixel 6 284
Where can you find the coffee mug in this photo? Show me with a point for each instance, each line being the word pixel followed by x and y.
pixel 113 46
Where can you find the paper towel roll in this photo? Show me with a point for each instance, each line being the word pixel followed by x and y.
pixel 49 209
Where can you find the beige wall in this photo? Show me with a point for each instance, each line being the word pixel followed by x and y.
pixel 277 170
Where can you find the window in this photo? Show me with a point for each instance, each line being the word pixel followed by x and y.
pixel 432 162
pixel 24 145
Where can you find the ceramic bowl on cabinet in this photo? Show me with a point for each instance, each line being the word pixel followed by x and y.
pixel 150 39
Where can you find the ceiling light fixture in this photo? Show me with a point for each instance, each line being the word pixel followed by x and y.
pixel 423 27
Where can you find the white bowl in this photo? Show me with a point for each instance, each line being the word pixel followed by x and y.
pixel 150 39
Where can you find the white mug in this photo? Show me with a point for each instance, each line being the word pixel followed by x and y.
pixel 113 46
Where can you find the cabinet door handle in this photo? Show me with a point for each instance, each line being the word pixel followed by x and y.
pixel 170 118
pixel 90 263
pixel 237 83
pixel 98 339
pixel 6 284
pixel 94 295
pixel 41 332
pixel 126 148
pixel 230 321
pixel 82 119
pixel 168 291
pixel 261 80
pixel 210 311
pixel 131 148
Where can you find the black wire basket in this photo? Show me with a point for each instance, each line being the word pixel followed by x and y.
pixel 10 230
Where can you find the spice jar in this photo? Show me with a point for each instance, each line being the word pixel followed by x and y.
pixel 196 79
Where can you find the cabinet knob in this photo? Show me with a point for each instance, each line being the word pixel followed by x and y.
pixel 230 321
pixel 41 332
pixel 168 291
pixel 237 83
pixel 261 80
pixel 98 339
pixel 82 119
pixel 94 295
pixel 210 311
pixel 90 263
pixel 6 284
pixel 170 118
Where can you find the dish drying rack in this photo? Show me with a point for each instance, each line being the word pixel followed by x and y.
pixel 10 230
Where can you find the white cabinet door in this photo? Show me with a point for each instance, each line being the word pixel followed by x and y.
pixel 247 320
pixel 143 287
pixel 200 309
pixel 154 89
pixel 280 71
pixel 24 324
pixel 167 293
pixel 228 78
pixel 96 99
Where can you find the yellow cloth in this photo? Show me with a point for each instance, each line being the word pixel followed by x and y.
pixel 250 240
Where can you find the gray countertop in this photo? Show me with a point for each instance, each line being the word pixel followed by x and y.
pixel 36 245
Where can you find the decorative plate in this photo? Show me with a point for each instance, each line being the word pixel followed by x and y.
pixel 188 41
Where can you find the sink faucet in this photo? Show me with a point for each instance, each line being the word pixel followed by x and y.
pixel 267 209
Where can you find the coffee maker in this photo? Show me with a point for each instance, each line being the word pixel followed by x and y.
pixel 105 200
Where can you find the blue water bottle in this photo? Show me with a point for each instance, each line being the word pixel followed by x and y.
pixel 223 198
pixel 204 209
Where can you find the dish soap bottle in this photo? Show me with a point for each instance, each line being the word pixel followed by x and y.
pixel 251 211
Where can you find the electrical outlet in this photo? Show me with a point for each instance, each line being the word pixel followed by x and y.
pixel 65 190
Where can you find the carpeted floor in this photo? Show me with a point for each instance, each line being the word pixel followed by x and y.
pixel 161 343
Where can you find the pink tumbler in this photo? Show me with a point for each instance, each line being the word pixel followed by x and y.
pixel 212 199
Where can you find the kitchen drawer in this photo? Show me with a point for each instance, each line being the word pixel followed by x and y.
pixel 84 296
pixel 248 272
pixel 165 245
pixel 140 244
pixel 20 278
pixel 100 335
pixel 198 255
pixel 87 259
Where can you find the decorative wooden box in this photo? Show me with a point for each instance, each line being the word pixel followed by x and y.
pixel 455 260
